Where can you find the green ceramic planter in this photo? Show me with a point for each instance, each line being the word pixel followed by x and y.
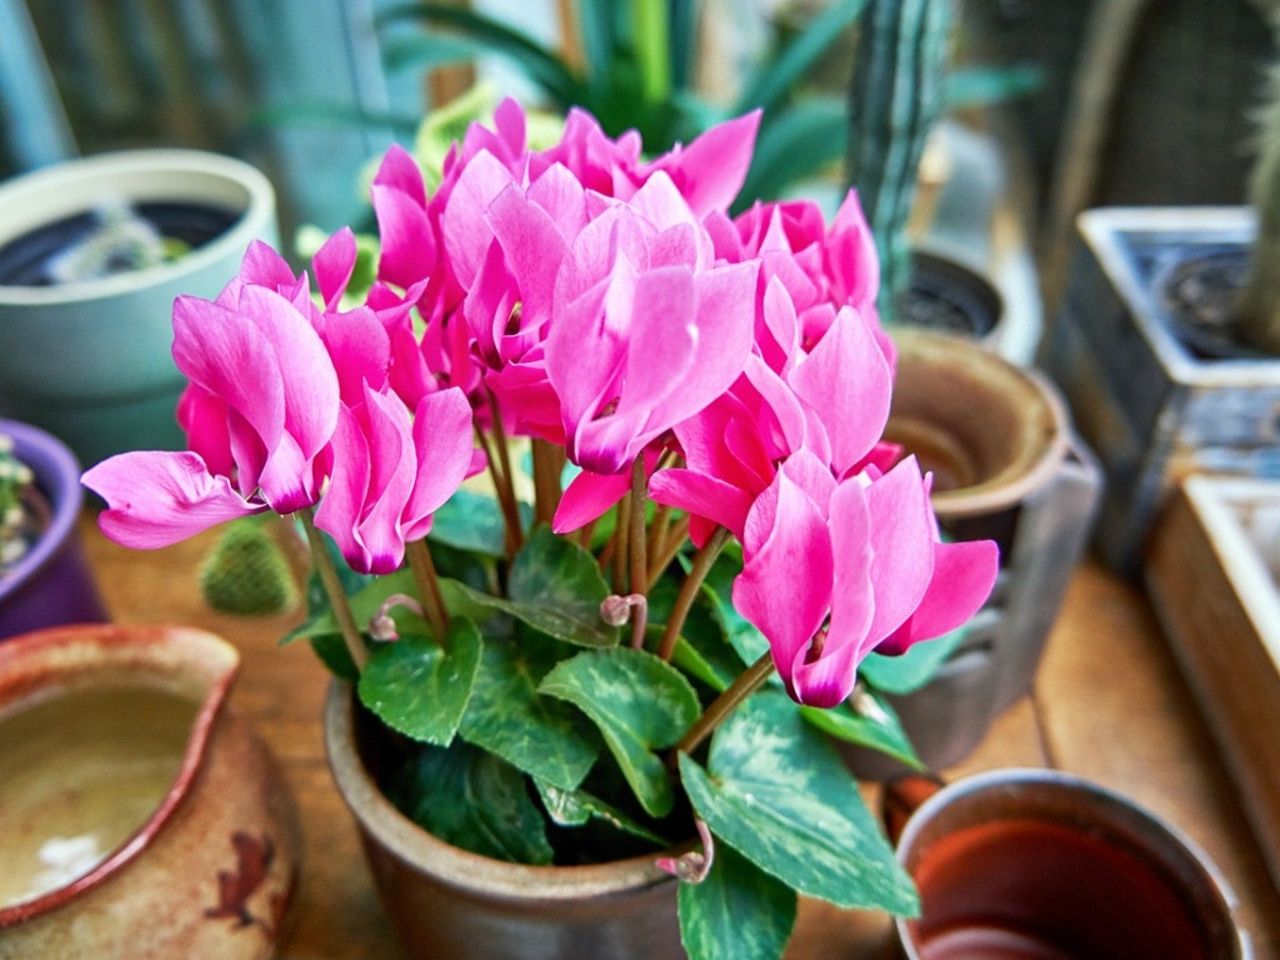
pixel 89 361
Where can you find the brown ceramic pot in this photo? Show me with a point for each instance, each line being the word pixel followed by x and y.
pixel 139 817
pixel 1006 467
pixel 449 904
pixel 1042 865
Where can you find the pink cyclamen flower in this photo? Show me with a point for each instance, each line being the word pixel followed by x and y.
pixel 260 411
pixel 834 571
pixel 833 403
pixel 647 333
pixel 391 472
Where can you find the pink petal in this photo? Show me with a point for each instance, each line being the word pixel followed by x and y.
pixel 711 170
pixel 400 172
pixel 407 243
pixel 785 586
pixel 963 575
pixel 533 246
pixel 360 349
pixel 846 379
pixel 466 234
pixel 902 544
pixel 393 469
pixel 204 419
pixel 703 496
pixel 853 602
pixel 588 497
pixel 266 268
pixel 810 474
pixel 155 499
pixel 333 265
pixel 442 438
pixel 343 502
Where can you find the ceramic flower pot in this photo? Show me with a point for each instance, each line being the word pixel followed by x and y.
pixel 449 904
pixel 89 360
pixel 141 817
pixel 1041 864
pixel 1152 397
pixel 1007 467
pixel 52 583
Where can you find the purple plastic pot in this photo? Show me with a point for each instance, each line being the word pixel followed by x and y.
pixel 52 584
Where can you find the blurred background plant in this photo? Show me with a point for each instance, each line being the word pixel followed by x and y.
pixel 23 513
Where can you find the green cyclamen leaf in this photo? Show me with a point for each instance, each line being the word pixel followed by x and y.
pixel 472 800
pixel 775 791
pixel 738 913
pixel 748 641
pixel 473 522
pixel 575 808
pixel 508 716
pixel 559 584
pixel 914 669
pixel 875 724
pixel 640 704
pixel 419 689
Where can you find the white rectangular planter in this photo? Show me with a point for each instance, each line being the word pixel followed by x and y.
pixel 1212 573
pixel 1151 409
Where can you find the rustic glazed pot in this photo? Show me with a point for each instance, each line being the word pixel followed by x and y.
pixel 209 872
pixel 1047 866
pixel 449 904
pixel 1007 467
pixel 52 584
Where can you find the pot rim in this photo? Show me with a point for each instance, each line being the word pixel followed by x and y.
pixel 57 474
pixel 1122 807
pixel 1029 472
pixel 107 167
pixel 467 872
pixel 125 644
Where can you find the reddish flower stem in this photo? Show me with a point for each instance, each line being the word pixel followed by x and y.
pixel 428 583
pixel 504 455
pixel 639 558
pixel 333 589
pixel 546 480
pixel 703 561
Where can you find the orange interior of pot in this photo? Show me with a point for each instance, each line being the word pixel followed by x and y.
pixel 989 432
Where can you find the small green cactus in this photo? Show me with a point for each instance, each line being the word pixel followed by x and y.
pixel 247 574
pixel 17 524
pixel 1258 311
pixel 896 96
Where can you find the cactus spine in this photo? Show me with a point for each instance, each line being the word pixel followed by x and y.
pixel 17 522
pixel 896 95
pixel 1258 311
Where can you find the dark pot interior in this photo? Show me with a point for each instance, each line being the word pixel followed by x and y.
pixel 946 297
pixel 1197 286
pixel 25 260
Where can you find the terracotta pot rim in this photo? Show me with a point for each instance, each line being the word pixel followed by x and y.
pixel 464 871
pixel 114 640
pixel 1035 466
pixel 57 474
pixel 1123 808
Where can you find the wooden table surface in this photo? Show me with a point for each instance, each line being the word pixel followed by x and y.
pixel 1109 705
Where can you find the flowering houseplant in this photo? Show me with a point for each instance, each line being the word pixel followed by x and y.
pixel 713 391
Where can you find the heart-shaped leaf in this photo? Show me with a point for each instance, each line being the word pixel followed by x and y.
pixel 419 689
pixel 872 723
pixel 508 716
pixel 473 522
pixel 776 791
pixel 575 808
pixel 555 587
pixel 560 584
pixel 703 650
pixel 640 704
pixel 472 800
pixel 737 912
pixel 914 669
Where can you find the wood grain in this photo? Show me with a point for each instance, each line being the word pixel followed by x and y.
pixel 1109 704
